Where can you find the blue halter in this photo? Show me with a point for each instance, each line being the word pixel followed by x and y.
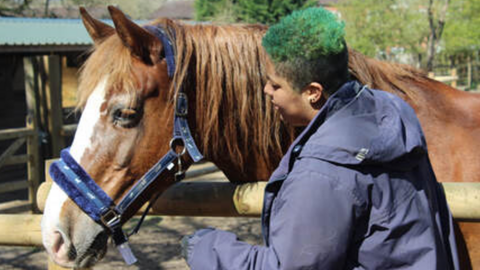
pixel 83 190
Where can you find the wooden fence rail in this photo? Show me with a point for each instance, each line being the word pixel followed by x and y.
pixel 217 199
pixel 224 199
pixel 13 133
pixel 192 198
pixel 22 136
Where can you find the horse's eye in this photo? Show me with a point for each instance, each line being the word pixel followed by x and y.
pixel 126 117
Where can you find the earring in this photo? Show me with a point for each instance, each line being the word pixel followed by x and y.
pixel 312 100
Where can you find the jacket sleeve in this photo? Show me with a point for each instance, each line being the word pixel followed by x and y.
pixel 310 228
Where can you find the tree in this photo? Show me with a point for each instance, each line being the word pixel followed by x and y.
pixel 248 11
pixel 207 10
pixel 377 27
pixel 13 7
pixel 436 22
pixel 461 40
pixel 384 29
pixel 461 35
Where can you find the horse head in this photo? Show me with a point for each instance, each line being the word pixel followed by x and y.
pixel 125 127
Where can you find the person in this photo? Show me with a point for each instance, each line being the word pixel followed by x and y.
pixel 356 189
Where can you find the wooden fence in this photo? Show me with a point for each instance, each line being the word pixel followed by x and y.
pixel 450 79
pixel 465 76
pixel 28 135
pixel 195 198
pixel 43 94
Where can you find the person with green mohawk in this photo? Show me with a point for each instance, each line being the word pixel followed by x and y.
pixel 356 189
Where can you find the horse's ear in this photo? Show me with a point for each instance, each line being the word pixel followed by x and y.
pixel 97 30
pixel 140 42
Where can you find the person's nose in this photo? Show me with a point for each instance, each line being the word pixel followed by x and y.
pixel 268 89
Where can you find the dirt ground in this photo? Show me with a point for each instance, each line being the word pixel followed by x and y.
pixel 156 246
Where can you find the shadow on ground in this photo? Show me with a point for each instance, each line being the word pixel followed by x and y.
pixel 156 246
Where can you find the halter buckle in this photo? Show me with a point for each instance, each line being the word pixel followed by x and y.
pixel 111 218
pixel 181 108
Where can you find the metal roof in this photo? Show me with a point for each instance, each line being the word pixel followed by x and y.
pixel 42 32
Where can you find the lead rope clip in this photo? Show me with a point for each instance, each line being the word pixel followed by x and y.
pixel 180 174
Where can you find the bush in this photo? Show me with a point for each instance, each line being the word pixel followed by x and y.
pixel 248 11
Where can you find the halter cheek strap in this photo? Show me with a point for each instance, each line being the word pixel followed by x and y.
pixel 83 190
pixel 181 128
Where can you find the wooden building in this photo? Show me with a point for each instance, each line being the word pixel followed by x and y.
pixel 39 60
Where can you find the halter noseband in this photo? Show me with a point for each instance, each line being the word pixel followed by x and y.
pixel 83 190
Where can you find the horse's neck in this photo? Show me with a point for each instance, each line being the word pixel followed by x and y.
pixel 236 127
pixel 449 117
pixel 409 83
pixel 254 166
pixel 253 170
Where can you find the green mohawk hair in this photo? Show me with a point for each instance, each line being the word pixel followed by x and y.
pixel 308 34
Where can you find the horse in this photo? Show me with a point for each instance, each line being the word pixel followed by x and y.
pixel 128 103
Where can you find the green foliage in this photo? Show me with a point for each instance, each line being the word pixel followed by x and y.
pixel 375 27
pixel 14 7
pixel 380 28
pixel 138 10
pixel 248 11
pixel 85 3
pixel 308 34
pixel 206 10
pixel 462 35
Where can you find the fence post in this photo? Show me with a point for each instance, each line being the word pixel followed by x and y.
pixel 453 73
pixel 54 95
pixel 469 72
pixel 34 167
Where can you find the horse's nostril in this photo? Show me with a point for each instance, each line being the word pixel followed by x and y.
pixel 58 242
pixel 62 248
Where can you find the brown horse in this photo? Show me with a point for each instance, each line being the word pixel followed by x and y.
pixel 127 99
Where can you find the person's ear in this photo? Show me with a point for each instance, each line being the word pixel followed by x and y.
pixel 315 93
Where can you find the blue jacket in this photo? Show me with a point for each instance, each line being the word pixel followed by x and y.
pixel 355 191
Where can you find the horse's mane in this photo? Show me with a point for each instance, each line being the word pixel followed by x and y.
pixel 225 66
pixel 390 77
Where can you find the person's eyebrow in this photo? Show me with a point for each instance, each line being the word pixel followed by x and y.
pixel 272 78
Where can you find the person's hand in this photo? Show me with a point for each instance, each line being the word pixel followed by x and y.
pixel 188 242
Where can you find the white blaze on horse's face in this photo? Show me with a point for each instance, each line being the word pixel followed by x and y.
pixel 90 117
pixel 55 237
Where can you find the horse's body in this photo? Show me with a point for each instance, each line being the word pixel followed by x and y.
pixel 126 125
pixel 450 118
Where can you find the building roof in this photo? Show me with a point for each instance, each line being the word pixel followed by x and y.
pixel 36 35
pixel 36 31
